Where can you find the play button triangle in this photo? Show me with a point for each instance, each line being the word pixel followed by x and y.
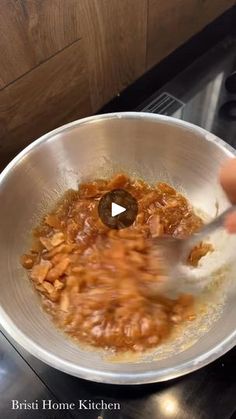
pixel 116 209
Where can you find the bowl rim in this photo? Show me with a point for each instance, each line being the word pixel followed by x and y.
pixel 94 374
pixel 115 115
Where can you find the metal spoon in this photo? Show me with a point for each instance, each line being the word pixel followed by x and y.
pixel 175 252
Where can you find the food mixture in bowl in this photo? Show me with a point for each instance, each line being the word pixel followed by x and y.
pixel 95 281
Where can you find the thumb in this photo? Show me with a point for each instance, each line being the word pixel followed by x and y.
pixel 228 179
pixel 230 223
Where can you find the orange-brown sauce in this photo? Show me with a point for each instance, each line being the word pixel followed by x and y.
pixel 93 281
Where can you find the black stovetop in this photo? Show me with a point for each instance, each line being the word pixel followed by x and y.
pixel 196 95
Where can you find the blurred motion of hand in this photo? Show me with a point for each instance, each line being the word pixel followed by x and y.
pixel 228 183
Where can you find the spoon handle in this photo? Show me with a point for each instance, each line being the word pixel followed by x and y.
pixel 210 227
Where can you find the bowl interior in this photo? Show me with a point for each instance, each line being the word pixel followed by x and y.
pixel 147 146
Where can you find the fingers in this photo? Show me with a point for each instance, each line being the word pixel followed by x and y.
pixel 230 223
pixel 228 179
pixel 228 183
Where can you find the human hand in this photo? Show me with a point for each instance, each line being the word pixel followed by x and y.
pixel 228 183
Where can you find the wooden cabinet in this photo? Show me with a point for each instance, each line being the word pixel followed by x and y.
pixel 172 22
pixel 31 31
pixel 115 35
pixel 54 93
pixel 64 59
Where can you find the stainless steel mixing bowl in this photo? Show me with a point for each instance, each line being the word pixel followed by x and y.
pixel 149 146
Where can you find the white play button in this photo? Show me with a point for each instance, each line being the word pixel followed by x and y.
pixel 116 209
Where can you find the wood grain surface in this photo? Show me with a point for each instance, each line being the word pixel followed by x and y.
pixel 31 31
pixel 171 23
pixel 54 93
pixel 63 59
pixel 115 36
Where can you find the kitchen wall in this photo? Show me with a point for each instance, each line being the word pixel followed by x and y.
pixel 64 59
